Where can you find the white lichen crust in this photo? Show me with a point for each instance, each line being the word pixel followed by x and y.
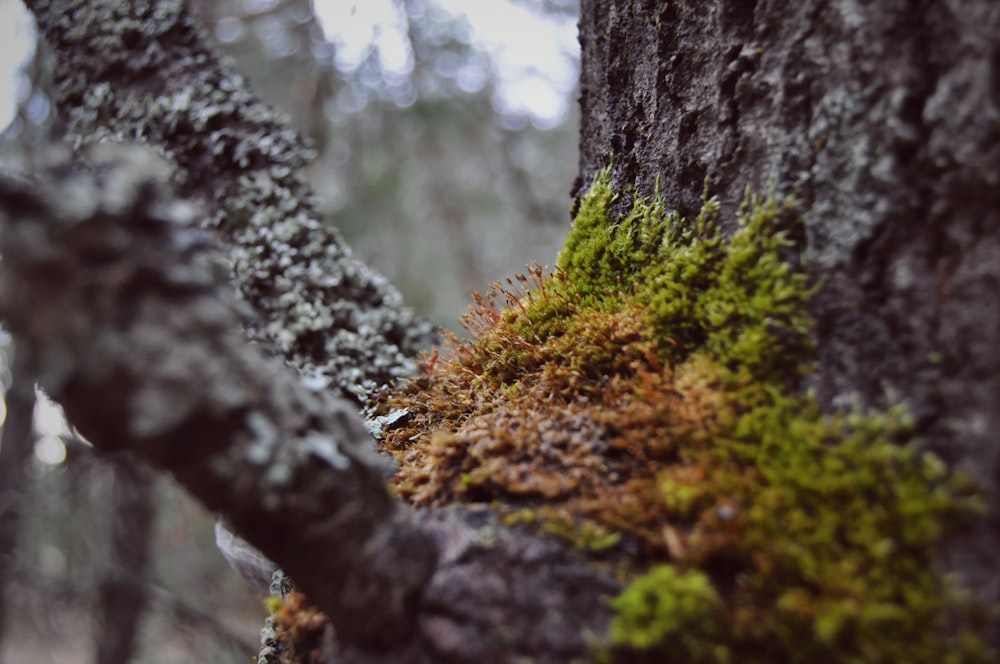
pixel 124 314
pixel 140 72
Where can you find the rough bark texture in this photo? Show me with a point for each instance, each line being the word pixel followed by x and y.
pixel 883 119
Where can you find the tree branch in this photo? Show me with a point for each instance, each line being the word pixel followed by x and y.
pixel 141 72
pixel 120 309
pixel 117 303
pixel 129 325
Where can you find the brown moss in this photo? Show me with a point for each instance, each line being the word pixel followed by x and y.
pixel 587 436
pixel 300 629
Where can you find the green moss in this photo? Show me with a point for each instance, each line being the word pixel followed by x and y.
pixel 825 551
pixel 585 534
pixel 735 299
pixel 674 611
pixel 648 391
pixel 272 604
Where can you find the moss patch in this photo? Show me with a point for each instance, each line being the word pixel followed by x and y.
pixel 642 399
pixel 299 628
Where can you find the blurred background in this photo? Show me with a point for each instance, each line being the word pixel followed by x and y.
pixel 446 135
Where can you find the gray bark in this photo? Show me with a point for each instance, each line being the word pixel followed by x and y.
pixel 883 119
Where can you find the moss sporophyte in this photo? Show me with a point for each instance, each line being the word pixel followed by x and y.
pixel 644 397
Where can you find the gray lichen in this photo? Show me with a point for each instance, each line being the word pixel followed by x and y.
pixel 140 71
pixel 122 314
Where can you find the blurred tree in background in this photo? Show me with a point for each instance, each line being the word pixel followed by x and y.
pixel 436 178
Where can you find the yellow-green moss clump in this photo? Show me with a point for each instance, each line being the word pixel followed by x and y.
pixel 642 399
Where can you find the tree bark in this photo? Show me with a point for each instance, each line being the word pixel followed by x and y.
pixel 883 120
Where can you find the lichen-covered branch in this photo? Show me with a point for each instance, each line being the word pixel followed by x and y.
pixel 121 310
pixel 139 71
pixel 128 323
pixel 116 303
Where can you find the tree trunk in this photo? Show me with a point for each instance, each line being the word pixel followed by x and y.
pixel 16 447
pixel 121 595
pixel 883 120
